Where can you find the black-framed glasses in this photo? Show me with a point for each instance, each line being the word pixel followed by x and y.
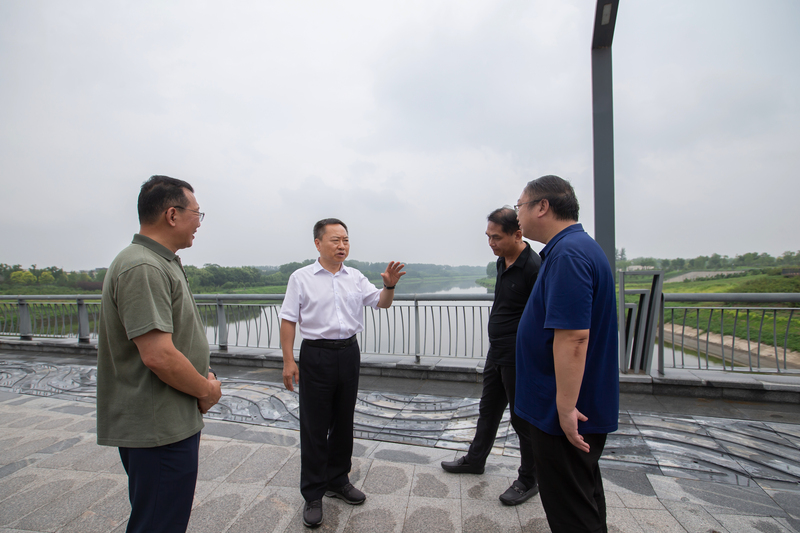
pixel 201 215
pixel 516 207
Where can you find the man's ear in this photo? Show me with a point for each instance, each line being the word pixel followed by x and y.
pixel 169 216
pixel 544 207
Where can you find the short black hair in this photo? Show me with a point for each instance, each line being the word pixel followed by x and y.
pixel 506 218
pixel 319 227
pixel 158 194
pixel 559 194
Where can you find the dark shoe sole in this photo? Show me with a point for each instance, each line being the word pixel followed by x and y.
pixel 311 526
pixel 463 470
pixel 331 494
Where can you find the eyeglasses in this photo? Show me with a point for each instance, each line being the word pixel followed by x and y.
pixel 516 207
pixel 201 215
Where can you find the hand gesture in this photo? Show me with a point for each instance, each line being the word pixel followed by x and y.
pixel 569 424
pixel 392 273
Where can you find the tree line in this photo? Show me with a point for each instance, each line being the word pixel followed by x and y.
pixel 713 262
pixel 214 277
pixel 211 276
pixel 16 275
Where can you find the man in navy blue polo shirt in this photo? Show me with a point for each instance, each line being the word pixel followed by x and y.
pixel 567 367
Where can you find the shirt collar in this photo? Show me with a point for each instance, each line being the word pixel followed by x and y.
pixel 574 228
pixel 157 247
pixel 318 267
pixel 521 259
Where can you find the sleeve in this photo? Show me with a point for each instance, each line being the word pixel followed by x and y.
pixel 568 294
pixel 144 300
pixel 290 309
pixel 371 294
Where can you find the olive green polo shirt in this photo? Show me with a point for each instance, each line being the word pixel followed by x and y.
pixel 144 289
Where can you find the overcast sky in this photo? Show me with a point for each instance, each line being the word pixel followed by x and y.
pixel 409 120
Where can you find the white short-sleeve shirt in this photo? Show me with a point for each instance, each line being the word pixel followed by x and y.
pixel 328 306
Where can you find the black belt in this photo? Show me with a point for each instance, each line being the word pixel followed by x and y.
pixel 330 344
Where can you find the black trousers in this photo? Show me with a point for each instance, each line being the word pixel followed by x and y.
pixel 570 484
pixel 161 484
pixel 328 390
pixel 498 392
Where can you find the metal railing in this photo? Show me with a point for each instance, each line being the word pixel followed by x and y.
pixel 447 325
pixel 50 316
pixel 749 338
pixel 716 337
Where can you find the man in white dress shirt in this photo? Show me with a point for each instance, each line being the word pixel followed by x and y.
pixel 327 299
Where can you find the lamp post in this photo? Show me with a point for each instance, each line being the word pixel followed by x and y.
pixel 603 128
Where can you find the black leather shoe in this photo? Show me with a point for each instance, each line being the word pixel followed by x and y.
pixel 312 514
pixel 516 493
pixel 348 493
pixel 461 466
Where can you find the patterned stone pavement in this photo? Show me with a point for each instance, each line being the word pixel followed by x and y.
pixel 662 472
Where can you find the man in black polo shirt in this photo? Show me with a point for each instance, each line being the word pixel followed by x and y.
pixel 517 268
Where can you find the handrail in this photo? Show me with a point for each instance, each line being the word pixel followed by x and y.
pixel 737 356
pixel 410 297
pixel 441 325
pixel 734 297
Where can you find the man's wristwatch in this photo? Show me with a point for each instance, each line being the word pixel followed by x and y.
pixel 389 288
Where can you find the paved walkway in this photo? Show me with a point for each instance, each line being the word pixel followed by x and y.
pixel 677 464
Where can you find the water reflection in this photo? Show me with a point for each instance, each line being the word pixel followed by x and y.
pixel 417 286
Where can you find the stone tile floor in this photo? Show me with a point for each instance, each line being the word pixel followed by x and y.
pixel 662 472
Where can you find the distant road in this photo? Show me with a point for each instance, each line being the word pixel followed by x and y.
pixel 701 274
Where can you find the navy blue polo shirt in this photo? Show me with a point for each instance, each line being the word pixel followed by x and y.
pixel 575 290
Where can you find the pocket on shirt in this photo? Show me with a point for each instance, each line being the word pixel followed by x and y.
pixel 355 303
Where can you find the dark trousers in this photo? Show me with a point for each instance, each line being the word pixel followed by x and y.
pixel 161 484
pixel 328 389
pixel 498 392
pixel 570 484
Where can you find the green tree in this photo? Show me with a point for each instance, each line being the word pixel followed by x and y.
pixel 23 277
pixel 491 269
pixel 99 274
pixel 7 270
pixel 679 263
pixel 698 262
pixel 46 278
pixel 715 261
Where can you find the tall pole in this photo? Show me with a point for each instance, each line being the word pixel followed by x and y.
pixel 603 128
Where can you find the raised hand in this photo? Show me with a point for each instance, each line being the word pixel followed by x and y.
pixel 393 273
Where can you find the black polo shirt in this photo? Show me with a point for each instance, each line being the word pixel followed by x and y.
pixel 511 292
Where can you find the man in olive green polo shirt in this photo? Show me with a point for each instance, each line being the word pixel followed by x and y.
pixel 153 378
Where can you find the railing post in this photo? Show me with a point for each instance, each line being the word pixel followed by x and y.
pixel 623 338
pixel 25 328
pixel 222 326
pixel 83 322
pixel 416 330
pixel 661 338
